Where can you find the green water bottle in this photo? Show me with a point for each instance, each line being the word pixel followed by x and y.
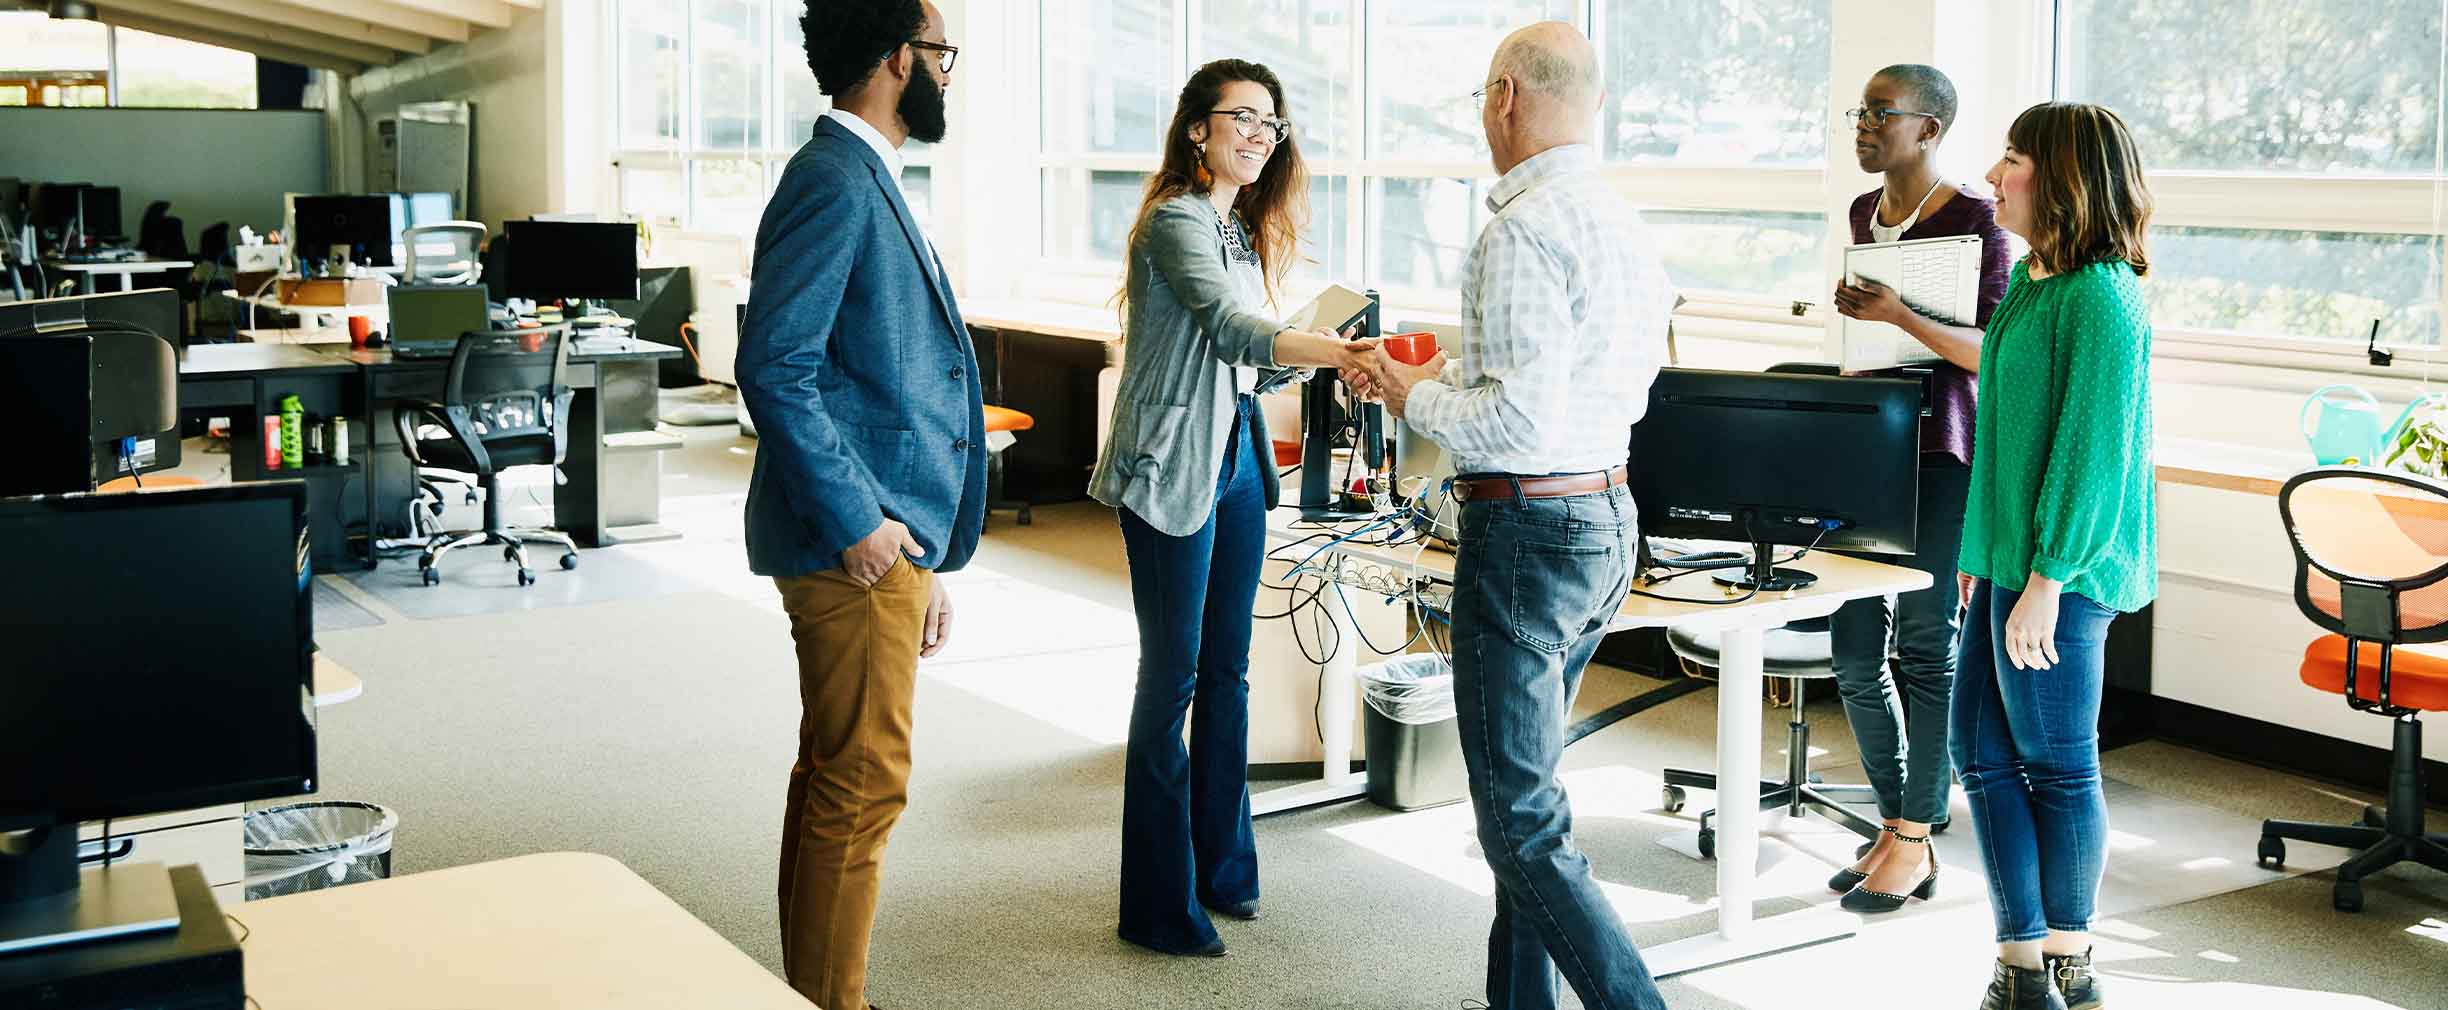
pixel 293 423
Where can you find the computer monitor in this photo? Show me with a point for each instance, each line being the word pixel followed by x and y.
pixel 360 225
pixel 1769 458
pixel 56 206
pixel 126 695
pixel 101 209
pixel 428 208
pixel 12 203
pixel 428 319
pixel 88 389
pixel 571 259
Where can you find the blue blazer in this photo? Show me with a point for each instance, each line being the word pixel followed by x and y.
pixel 858 372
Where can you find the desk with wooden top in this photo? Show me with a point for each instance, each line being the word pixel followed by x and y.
pixel 1059 364
pixel 555 931
pixel 1743 627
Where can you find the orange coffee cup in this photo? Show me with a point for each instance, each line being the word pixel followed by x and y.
pixel 1412 348
pixel 360 328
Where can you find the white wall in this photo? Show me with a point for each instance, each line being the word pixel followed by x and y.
pixel 213 165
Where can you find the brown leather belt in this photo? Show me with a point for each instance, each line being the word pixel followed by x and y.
pixel 1558 486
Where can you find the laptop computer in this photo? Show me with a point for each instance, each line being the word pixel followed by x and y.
pixel 427 319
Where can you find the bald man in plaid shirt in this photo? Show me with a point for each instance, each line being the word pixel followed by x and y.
pixel 1564 308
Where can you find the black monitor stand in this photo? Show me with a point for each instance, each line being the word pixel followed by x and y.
pixel 1762 575
pixel 45 901
pixel 1322 418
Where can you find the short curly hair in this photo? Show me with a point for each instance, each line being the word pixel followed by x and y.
pixel 847 38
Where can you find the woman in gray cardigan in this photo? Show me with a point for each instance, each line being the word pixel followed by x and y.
pixel 1191 471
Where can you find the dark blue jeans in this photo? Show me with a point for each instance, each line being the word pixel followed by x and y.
pixel 1186 815
pixel 1534 587
pixel 2027 747
pixel 1900 721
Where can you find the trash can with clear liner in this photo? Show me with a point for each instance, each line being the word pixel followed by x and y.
pixel 313 846
pixel 1414 745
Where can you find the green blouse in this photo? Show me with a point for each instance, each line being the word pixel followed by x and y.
pixel 2062 480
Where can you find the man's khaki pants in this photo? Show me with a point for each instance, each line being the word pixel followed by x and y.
pixel 858 670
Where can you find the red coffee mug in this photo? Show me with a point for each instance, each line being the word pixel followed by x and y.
pixel 360 327
pixel 1411 348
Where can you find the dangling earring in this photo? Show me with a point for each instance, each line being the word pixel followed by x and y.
pixel 1199 175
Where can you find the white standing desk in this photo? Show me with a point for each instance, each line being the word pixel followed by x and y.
pixel 121 269
pixel 1739 684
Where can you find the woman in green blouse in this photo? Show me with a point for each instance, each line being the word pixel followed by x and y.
pixel 2059 537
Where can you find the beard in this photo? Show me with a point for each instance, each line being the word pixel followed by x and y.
pixel 922 108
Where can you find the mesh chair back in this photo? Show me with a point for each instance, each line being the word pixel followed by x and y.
pixel 443 253
pixel 511 383
pixel 2380 532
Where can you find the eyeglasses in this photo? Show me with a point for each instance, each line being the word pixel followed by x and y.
pixel 1877 118
pixel 1248 123
pixel 945 55
pixel 1480 97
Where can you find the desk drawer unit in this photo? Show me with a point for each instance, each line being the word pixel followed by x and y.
pixel 213 839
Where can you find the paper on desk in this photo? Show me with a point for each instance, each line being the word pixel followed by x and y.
pixel 1335 308
pixel 1937 277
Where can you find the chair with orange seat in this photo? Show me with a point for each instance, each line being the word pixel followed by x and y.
pixel 161 480
pixel 2371 568
pixel 1008 423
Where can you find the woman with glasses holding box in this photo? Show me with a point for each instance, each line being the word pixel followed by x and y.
pixel 1900 721
pixel 1191 471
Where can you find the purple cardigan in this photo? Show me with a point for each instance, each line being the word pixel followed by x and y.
pixel 1952 406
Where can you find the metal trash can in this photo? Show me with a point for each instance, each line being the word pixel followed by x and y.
pixel 1414 744
pixel 312 846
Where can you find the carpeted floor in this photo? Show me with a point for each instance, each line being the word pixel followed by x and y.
pixel 645 710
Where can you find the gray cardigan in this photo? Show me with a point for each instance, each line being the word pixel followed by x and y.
pixel 1194 315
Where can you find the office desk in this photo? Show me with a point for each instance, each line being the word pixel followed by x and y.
pixel 1739 685
pixel 1059 364
pixel 543 932
pixel 614 386
pixel 122 269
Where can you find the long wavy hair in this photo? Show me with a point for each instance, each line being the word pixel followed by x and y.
pixel 2089 201
pixel 1275 208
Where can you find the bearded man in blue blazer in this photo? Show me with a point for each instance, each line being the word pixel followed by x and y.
pixel 871 465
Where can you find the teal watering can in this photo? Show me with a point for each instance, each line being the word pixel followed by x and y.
pixel 2343 425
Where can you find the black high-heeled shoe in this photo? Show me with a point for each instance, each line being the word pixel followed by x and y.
pixel 1861 899
pixel 1848 878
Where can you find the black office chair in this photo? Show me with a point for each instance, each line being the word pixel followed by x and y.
pixel 161 236
pixel 504 404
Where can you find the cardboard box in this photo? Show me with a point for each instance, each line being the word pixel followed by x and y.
pixel 331 291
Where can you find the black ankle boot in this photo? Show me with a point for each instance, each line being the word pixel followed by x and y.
pixel 2012 988
pixel 2071 974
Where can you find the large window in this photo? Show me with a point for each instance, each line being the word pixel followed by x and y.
pixel 712 99
pixel 2294 147
pixel 1380 92
pixel 67 63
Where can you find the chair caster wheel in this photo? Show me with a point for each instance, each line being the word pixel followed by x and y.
pixel 471 496
pixel 2374 816
pixel 569 562
pixel 526 576
pixel 2273 852
pixel 1671 799
pixel 433 576
pixel 2348 897
pixel 1708 843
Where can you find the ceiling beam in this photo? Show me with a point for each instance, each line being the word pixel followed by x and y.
pixel 489 13
pixel 226 40
pixel 388 15
pixel 211 19
pixel 337 25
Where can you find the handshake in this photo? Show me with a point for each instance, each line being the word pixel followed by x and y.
pixel 1374 373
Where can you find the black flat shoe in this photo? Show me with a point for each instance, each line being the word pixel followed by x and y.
pixel 1214 948
pixel 2012 988
pixel 1246 911
pixel 2071 974
pixel 1862 899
